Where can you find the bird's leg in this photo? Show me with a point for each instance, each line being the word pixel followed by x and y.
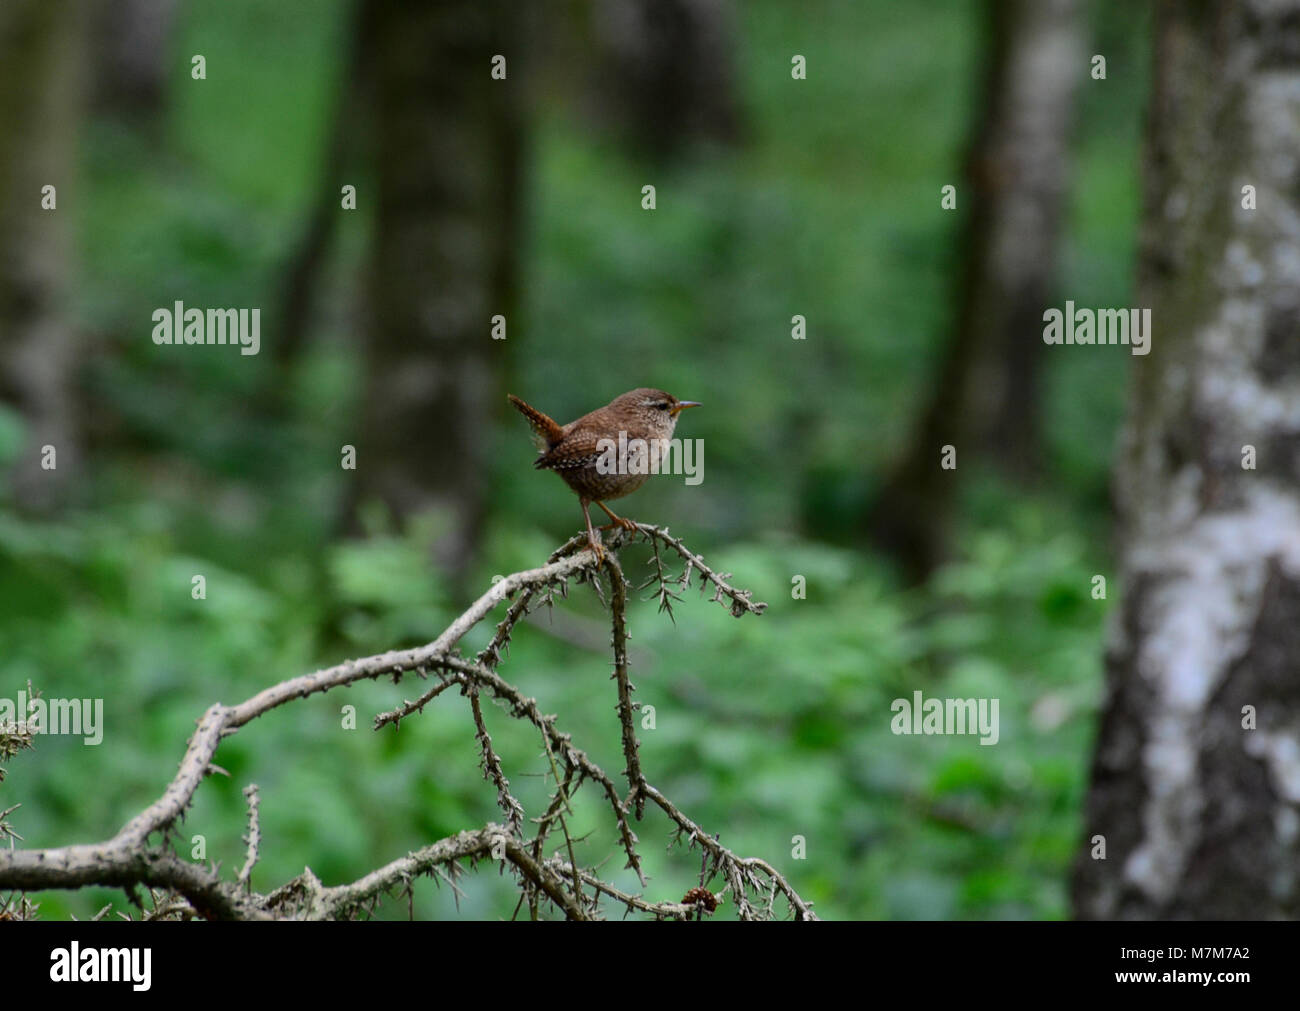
pixel 619 521
pixel 596 548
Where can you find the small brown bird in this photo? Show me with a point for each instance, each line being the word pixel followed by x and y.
pixel 590 455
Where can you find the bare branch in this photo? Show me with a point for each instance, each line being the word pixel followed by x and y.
pixel 741 600
pixel 128 859
pixel 626 707
pixel 333 903
pixel 739 871
pixel 661 910
pixel 491 763
pixel 254 837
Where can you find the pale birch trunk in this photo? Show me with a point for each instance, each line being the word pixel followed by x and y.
pixel 1200 816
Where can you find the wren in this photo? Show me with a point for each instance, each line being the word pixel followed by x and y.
pixel 575 451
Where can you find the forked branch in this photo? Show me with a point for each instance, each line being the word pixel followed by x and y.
pixel 130 859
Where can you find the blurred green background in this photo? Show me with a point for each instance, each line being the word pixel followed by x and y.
pixel 205 461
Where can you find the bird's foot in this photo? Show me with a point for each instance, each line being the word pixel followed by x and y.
pixel 615 519
pixel 597 549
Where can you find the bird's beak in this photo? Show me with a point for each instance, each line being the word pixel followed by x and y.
pixel 683 404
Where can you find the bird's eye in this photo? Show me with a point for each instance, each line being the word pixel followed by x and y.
pixel 662 405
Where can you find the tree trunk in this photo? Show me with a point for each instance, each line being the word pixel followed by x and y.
pixel 664 74
pixel 39 103
pixel 986 400
pixel 1196 777
pixel 133 55
pixel 448 154
pixel 349 132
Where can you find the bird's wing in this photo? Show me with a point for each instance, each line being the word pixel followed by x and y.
pixel 578 448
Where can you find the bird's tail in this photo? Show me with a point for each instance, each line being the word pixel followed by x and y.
pixel 546 432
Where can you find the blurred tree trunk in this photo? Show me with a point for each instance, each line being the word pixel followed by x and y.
pixel 1198 812
pixel 132 50
pixel 664 74
pixel 349 133
pixel 448 166
pixel 986 398
pixel 39 105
